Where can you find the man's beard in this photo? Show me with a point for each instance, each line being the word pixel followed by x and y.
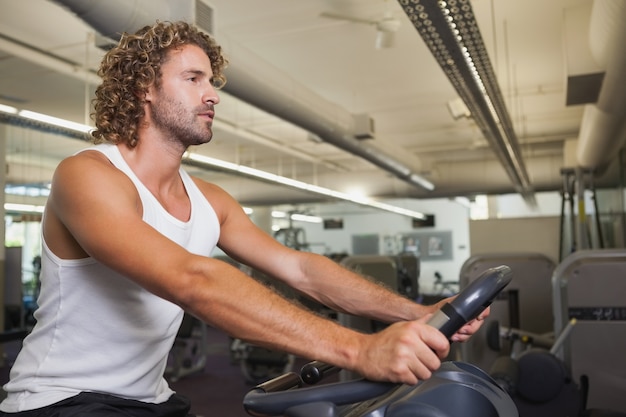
pixel 179 124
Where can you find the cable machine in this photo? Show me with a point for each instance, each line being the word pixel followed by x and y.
pixel 578 230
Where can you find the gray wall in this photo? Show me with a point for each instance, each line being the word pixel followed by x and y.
pixel 529 234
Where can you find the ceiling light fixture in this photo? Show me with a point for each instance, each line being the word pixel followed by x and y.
pixel 22 208
pixel 8 109
pixel 306 218
pixel 79 127
pixel 297 217
pixel 208 162
pixel 450 30
pixel 44 122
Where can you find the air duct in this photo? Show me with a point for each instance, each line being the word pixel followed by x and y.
pixel 112 17
pixel 450 31
pixel 603 128
pixel 248 80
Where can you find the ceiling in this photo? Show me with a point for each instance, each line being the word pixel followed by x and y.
pixel 287 56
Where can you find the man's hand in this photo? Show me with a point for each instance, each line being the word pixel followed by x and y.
pixel 405 352
pixel 470 328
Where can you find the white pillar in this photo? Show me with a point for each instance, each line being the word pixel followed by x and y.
pixel 3 140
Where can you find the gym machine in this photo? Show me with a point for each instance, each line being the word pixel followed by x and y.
pixel 590 287
pixel 189 352
pixel 579 369
pixel 578 230
pixel 525 305
pixel 398 272
pixel 455 389
pixel 539 383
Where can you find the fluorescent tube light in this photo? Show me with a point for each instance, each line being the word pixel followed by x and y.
pixel 267 176
pixel 8 109
pixel 55 121
pixel 23 208
pixel 297 217
pixel 306 218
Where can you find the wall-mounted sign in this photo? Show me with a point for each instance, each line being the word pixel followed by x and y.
pixel 428 246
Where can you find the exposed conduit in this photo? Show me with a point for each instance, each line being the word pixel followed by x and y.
pixel 248 80
pixel 603 128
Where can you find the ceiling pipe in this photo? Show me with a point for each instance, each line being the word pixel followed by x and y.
pixel 46 59
pixel 255 82
pixel 113 17
pixel 451 33
pixel 252 80
pixel 603 127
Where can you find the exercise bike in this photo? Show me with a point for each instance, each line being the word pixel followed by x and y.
pixel 456 389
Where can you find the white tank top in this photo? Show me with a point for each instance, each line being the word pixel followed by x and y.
pixel 99 331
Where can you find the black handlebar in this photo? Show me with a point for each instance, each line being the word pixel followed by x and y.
pixel 277 395
pixel 470 302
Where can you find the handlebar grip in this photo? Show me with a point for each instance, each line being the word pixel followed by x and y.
pixel 470 302
pixel 281 383
pixel 313 372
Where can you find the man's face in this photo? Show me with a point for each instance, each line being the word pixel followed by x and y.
pixel 182 106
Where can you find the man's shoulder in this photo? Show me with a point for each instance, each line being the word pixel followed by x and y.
pixel 89 158
pixel 219 198
pixel 206 186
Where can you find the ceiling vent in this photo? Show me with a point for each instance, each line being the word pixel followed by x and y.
pixel 204 16
pixel 583 89
pixel 584 75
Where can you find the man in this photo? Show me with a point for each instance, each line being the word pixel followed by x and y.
pixel 127 238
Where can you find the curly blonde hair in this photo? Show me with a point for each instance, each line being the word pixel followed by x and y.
pixel 130 68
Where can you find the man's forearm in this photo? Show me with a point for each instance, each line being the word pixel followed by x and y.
pixel 247 309
pixel 348 292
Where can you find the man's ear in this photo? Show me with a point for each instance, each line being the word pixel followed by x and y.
pixel 147 94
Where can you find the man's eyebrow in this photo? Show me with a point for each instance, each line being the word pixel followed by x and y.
pixel 194 72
